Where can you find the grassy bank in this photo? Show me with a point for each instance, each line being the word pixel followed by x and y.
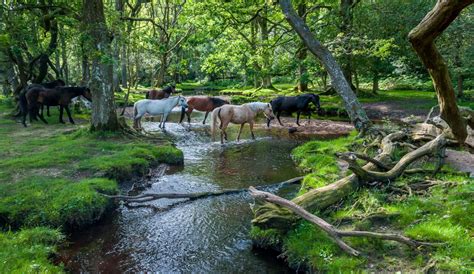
pixel 443 214
pixel 50 176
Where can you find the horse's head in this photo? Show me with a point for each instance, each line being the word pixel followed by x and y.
pixel 87 94
pixel 268 112
pixel 315 100
pixel 59 83
pixel 182 102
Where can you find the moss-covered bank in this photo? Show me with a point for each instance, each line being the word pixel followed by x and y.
pixel 50 179
pixel 444 213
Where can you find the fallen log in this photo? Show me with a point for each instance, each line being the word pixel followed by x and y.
pixel 270 215
pixel 333 232
pixel 147 197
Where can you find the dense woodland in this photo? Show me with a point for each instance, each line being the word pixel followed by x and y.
pixel 152 43
pixel 352 53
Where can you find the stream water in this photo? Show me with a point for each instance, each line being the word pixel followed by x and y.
pixel 209 235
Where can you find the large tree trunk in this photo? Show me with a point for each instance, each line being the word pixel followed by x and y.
pixel 301 54
pixel 375 82
pixel 346 29
pixel 353 107
pixel 160 79
pixel 104 116
pixel 422 38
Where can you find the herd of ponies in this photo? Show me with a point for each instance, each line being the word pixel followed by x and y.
pixel 160 102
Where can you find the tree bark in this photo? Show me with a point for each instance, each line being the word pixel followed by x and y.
pixel 345 11
pixel 104 116
pixel 422 38
pixel 301 54
pixel 459 86
pixel 375 82
pixel 267 65
pixel 353 107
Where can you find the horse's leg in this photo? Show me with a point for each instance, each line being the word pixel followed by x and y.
pixel 205 117
pixel 298 118
pixel 41 109
pixel 278 117
pixel 41 116
pixel 47 111
pixel 165 117
pixel 240 131
pixel 309 117
pixel 188 114
pixel 69 114
pixel 61 115
pixel 251 129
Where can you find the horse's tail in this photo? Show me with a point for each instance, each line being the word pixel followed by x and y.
pixel 215 115
pixel 219 115
pixel 23 107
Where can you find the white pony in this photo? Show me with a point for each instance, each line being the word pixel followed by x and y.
pixel 156 107
pixel 239 115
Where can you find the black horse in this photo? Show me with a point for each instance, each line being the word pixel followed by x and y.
pixel 292 104
pixel 52 84
pixel 37 97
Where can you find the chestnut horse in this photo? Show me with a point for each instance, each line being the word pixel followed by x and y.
pixel 202 103
pixel 239 115
pixel 160 94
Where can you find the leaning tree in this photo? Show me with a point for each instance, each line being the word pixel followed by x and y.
pixel 353 107
pixel 422 37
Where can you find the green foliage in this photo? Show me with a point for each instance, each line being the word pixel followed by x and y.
pixel 28 250
pixel 318 158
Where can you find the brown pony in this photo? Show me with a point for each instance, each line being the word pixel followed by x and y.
pixel 35 98
pixel 202 103
pixel 160 94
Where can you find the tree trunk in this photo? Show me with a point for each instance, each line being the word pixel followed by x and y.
pixel 422 38
pixel 375 83
pixel 160 79
pixel 353 107
pixel 301 55
pixel 116 66
pixel 65 65
pixel 459 86
pixel 267 65
pixel 346 29
pixel 123 60
pixel 104 116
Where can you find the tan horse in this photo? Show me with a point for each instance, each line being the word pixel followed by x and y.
pixel 239 115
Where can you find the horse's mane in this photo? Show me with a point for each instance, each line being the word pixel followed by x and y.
pixel 218 101
pixel 256 106
pixel 168 89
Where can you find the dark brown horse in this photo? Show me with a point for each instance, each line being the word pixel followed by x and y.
pixel 37 97
pixel 202 103
pixel 52 84
pixel 160 94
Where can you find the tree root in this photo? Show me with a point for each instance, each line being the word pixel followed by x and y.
pixel 333 232
pixel 435 147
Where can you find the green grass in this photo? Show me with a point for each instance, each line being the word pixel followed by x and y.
pixel 29 250
pixel 43 201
